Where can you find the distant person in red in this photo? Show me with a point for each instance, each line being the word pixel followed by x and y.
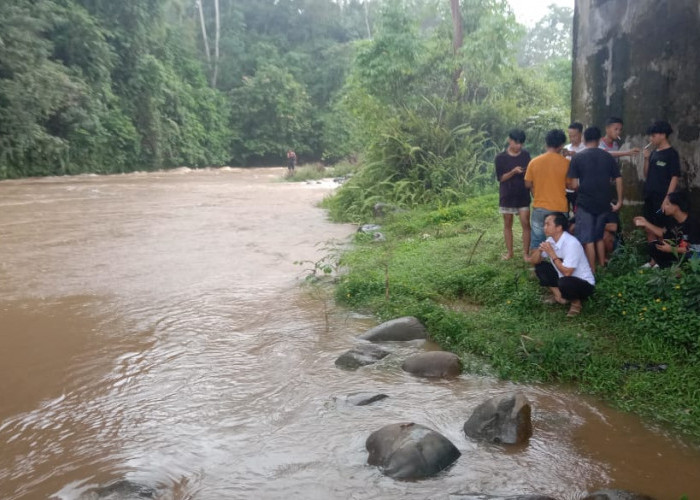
pixel 291 161
pixel 514 197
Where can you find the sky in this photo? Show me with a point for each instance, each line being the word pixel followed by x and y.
pixel 528 12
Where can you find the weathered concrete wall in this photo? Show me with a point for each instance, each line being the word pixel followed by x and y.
pixel 640 60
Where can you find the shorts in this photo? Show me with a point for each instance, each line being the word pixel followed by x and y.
pixel 513 210
pixel 537 226
pixel 590 227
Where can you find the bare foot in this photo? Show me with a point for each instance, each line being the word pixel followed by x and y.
pixel 506 256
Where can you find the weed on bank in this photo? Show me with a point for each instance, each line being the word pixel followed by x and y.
pixel 636 343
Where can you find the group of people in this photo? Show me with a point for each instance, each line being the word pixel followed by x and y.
pixel 574 221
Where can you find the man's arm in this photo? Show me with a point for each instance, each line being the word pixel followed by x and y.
pixel 642 222
pixel 618 187
pixel 511 173
pixel 572 183
pixel 620 154
pixel 673 185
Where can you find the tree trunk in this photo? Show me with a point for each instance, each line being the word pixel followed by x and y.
pixel 216 44
pixel 457 41
pixel 204 32
pixel 369 32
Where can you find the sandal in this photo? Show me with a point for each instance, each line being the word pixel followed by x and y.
pixel 574 310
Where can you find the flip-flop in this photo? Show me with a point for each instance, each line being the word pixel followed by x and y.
pixel 574 310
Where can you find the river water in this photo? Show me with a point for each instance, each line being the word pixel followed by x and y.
pixel 152 328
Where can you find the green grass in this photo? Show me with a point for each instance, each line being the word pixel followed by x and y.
pixel 443 266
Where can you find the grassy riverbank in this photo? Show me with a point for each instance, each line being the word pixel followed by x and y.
pixel 636 344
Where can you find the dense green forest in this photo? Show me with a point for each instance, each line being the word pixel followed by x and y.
pixel 424 87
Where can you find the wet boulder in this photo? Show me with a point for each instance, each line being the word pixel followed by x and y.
pixel 361 355
pixel 616 495
pixel 364 398
pixel 410 451
pixel 503 419
pixel 433 364
pixel 123 490
pixel 369 228
pixel 483 496
pixel 399 329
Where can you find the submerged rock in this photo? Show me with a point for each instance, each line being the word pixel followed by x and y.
pixel 616 495
pixel 361 355
pixel 483 496
pixel 399 329
pixel 123 490
pixel 503 419
pixel 410 451
pixel 436 364
pixel 364 398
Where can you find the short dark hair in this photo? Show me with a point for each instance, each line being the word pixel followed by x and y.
pixel 612 120
pixel 592 134
pixel 680 199
pixel 560 220
pixel 577 125
pixel 660 127
pixel 555 138
pixel 517 135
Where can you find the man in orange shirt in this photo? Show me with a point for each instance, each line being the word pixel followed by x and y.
pixel 546 178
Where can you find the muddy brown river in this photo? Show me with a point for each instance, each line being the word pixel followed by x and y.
pixel 153 328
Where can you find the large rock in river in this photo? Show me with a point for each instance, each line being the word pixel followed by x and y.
pixel 616 495
pixel 436 364
pixel 483 496
pixel 361 355
pixel 503 419
pixel 410 451
pixel 399 329
pixel 123 490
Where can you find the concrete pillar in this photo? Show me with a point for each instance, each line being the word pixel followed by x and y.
pixel 640 60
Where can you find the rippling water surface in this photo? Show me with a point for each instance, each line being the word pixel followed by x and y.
pixel 153 329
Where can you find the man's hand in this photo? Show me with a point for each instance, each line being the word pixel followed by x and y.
pixel 640 221
pixel 664 246
pixel 633 151
pixel 617 206
pixel 518 170
pixel 647 153
pixel 547 248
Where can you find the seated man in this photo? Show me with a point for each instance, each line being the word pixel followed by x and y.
pixel 682 237
pixel 612 234
pixel 567 272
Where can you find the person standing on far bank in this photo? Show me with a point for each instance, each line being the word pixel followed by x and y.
pixel 514 197
pixel 291 161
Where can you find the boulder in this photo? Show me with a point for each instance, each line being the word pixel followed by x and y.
pixel 123 490
pixel 361 355
pixel 436 364
pixel 482 496
pixel 616 495
pixel 410 451
pixel 364 398
pixel 369 228
pixel 399 329
pixel 503 419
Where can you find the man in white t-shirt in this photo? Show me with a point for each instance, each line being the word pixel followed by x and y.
pixel 576 137
pixel 566 272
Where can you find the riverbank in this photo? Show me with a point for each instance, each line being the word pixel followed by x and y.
pixel 636 344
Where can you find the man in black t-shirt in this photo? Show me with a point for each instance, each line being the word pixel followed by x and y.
pixel 514 197
pixel 590 173
pixel 680 238
pixel 662 169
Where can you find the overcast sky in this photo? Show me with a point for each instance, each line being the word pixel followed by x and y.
pixel 528 12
